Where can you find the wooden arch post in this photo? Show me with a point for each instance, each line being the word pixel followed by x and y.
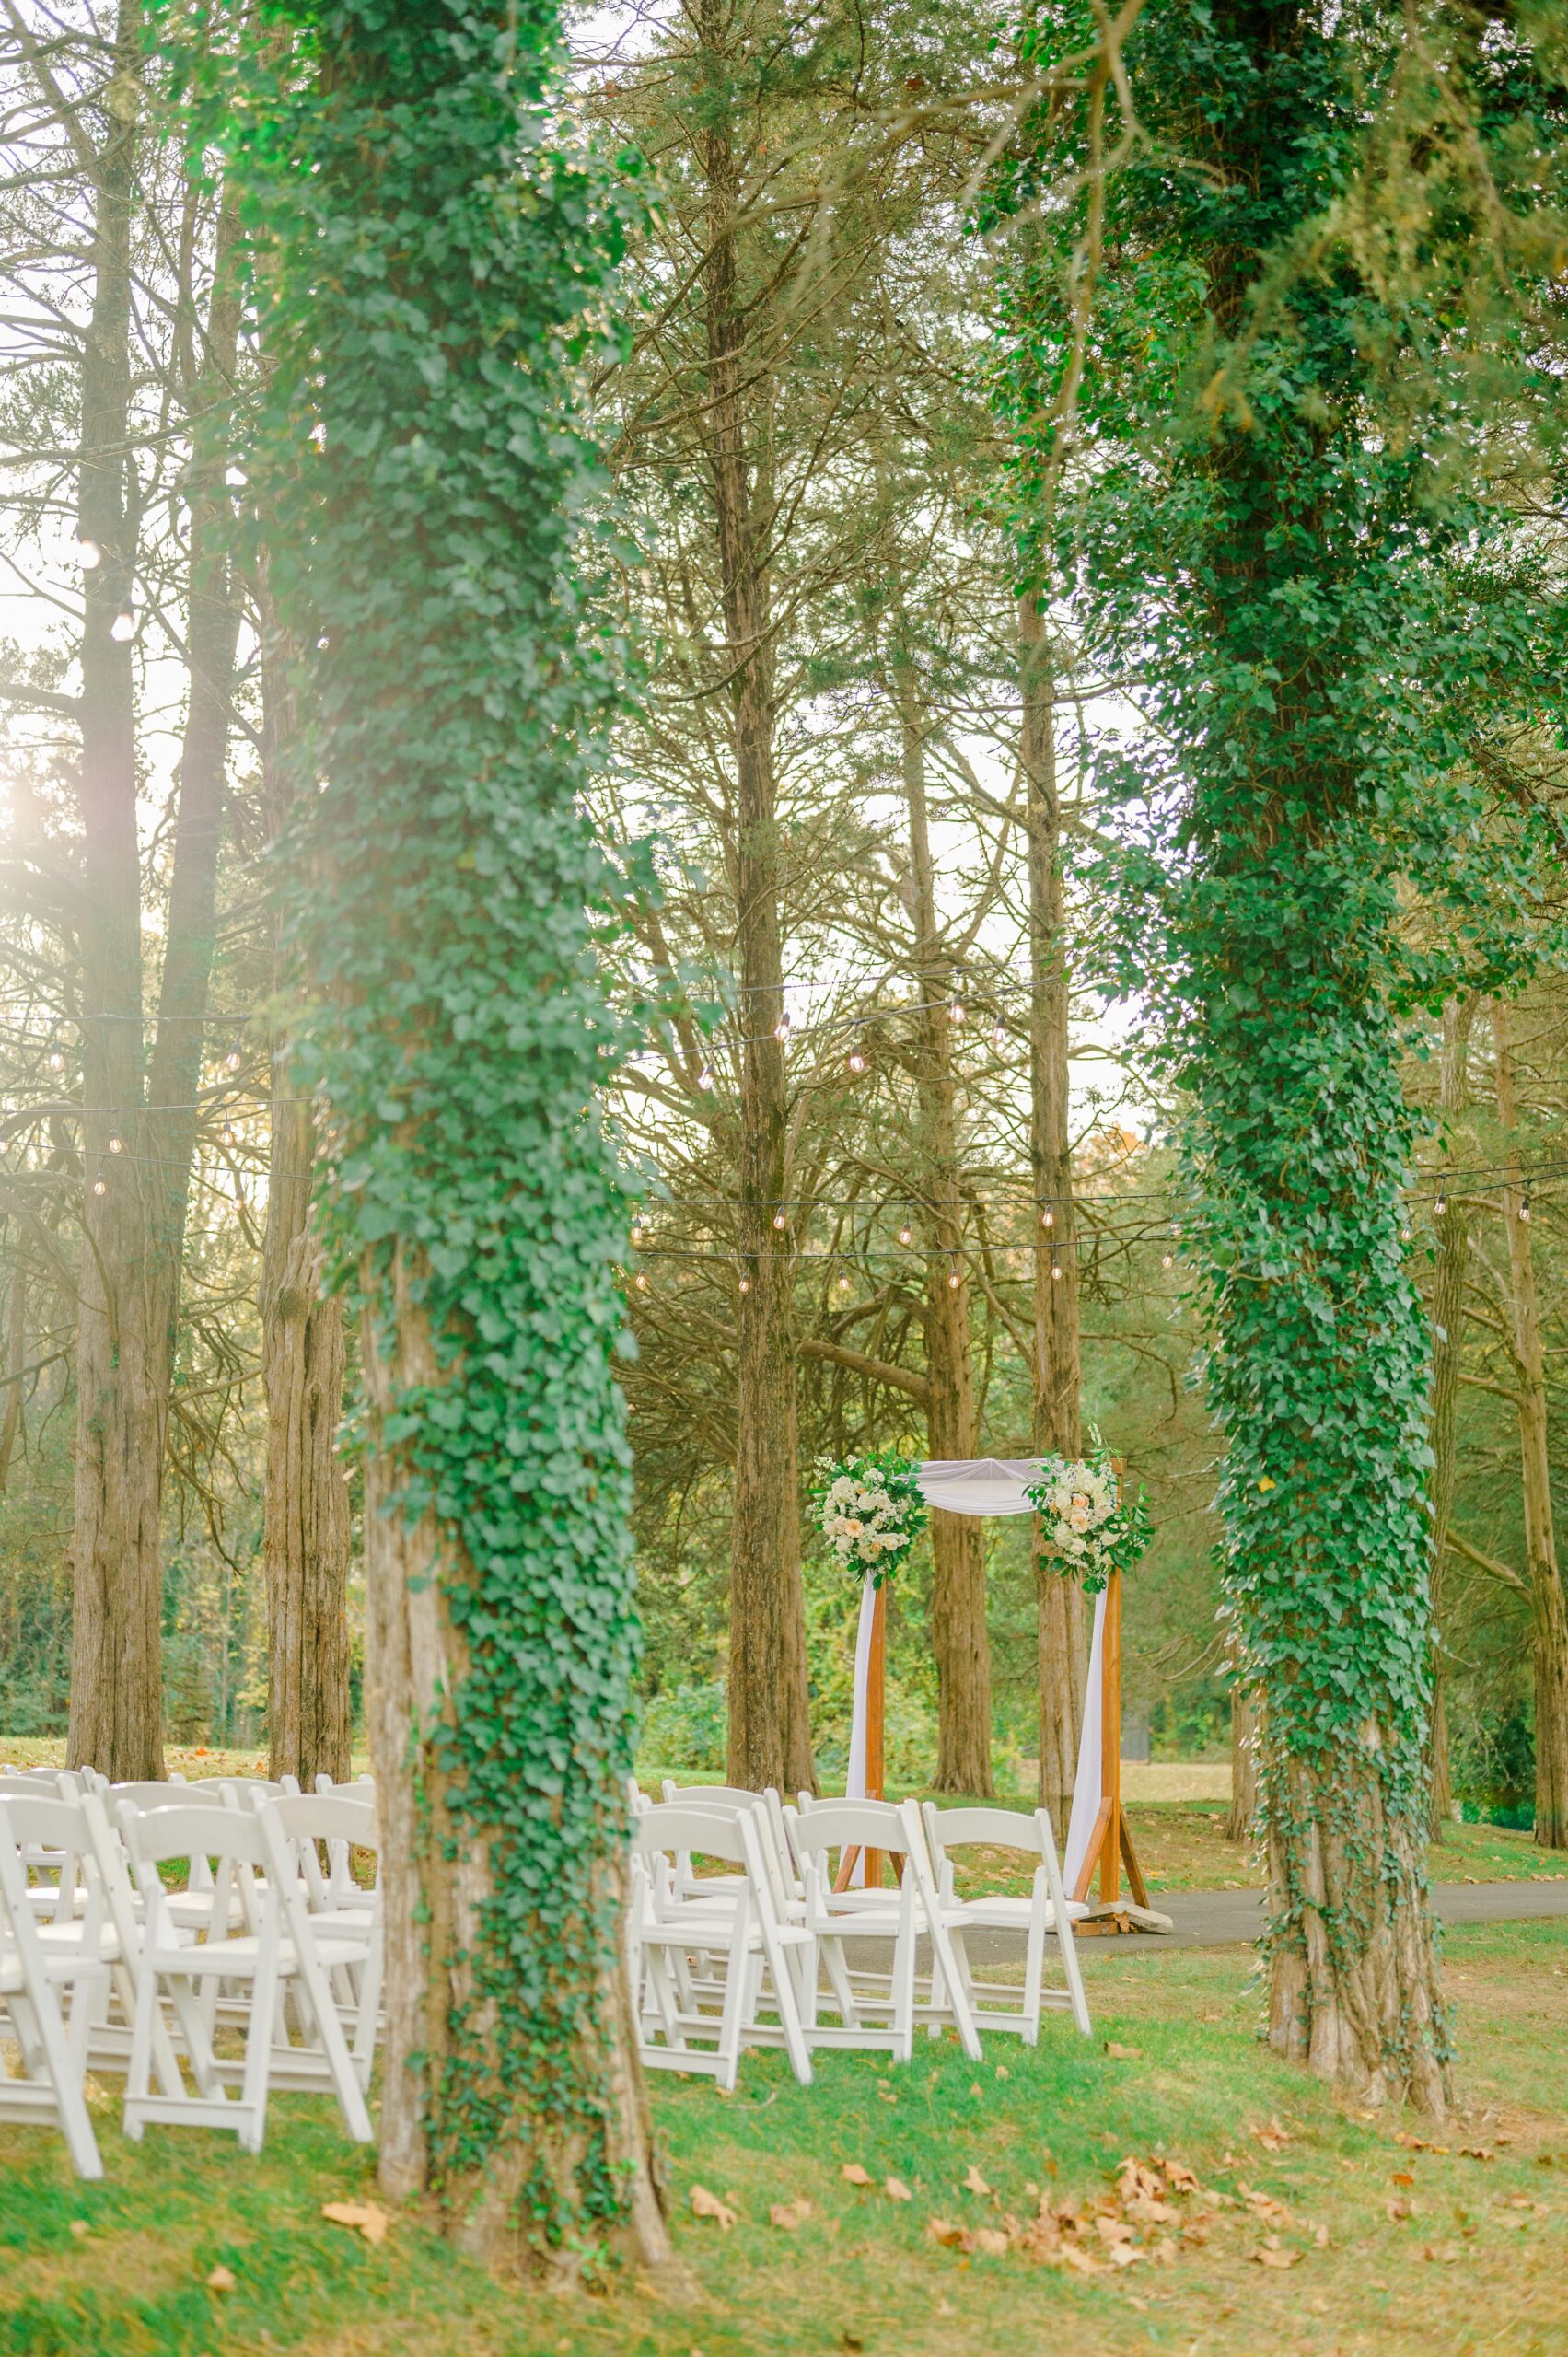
pixel 1110 1843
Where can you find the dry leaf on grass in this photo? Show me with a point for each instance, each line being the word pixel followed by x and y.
pixel 989 2239
pixel 80 2227
pixel 1474 2152
pixel 1445 2253
pixel 1124 2053
pixel 853 2174
pixel 1273 2138
pixel 944 2231
pixel 1272 2253
pixel 1401 2176
pixel 1397 2209
pixel 371 2220
pixel 789 2214
pixel 897 2190
pixel 708 2205
pixel 222 2278
pixel 974 2182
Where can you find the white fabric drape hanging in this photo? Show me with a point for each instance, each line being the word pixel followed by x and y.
pixel 991 1485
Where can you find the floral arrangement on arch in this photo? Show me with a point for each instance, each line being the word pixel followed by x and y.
pixel 870 1511
pixel 1090 1524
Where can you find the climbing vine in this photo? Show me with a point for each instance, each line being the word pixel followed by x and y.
pixel 430 258
pixel 1320 594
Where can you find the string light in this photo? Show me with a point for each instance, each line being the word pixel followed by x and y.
pixel 844 1281
pixel 1168 1260
pixel 952 1281
pixel 956 1012
pixel 122 629
pixel 781 1219
pixel 116 1142
pixel 638 1231
pixel 1048 1217
pixel 704 1078
pixel 641 1281
pixel 1055 1266
pixel 226 1136
pixel 57 1058
pixel 856 1059
pixel 999 1035
pixel 745 1284
pixel 235 1057
pixel 1405 1233
pixel 1524 1208
pixel 906 1233
pixel 89 556
pixel 100 1186
pixel 1440 1204
pixel 781 1028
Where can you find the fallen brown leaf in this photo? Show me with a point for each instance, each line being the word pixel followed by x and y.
pixel 989 2239
pixel 853 2174
pixel 789 2214
pixel 222 2278
pixel 897 2190
pixel 371 2220
pixel 1124 2053
pixel 1272 2253
pixel 1273 2138
pixel 1445 2253
pixel 80 2227
pixel 974 2182
pixel 708 2205
pixel 1401 2176
pixel 944 2231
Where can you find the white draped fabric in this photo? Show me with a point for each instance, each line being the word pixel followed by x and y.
pixel 989 1485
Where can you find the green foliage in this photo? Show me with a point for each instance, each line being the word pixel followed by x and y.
pixel 1328 629
pixel 431 259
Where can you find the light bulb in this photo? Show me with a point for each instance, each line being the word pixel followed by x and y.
pixel 953 1281
pixel 956 1012
pixel 1405 1233
pixel 638 1230
pixel 227 1134
pixel 88 555
pixel 704 1078
pixel 234 1058
pixel 745 1284
pixel 999 1035
pixel 781 1028
pixel 780 1220
pixel 116 1142
pixel 906 1236
pixel 1056 1267
pixel 122 629
pixel 1168 1260
pixel 843 1284
pixel 856 1061
pixel 100 1186
pixel 642 1281
pixel 1525 1208
pixel 1440 1204
pixel 1048 1217
pixel 56 1060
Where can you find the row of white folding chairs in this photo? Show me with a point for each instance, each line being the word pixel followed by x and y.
pixel 266 1926
pixel 795 1848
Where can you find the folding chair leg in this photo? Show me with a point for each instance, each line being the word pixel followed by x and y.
pixel 252 2120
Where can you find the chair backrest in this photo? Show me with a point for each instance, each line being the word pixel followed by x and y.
pixel 866 1825
pixel 998 1829
pixel 294 1824
pixel 141 1797
pixel 676 1826
pixel 187 1828
pixel 710 1796
pixel 52 1827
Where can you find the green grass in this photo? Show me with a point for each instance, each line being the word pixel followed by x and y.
pixel 860 2272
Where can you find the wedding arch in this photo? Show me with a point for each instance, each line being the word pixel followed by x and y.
pixel 1098 1836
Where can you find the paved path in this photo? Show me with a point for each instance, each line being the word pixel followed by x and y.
pixel 1206 1918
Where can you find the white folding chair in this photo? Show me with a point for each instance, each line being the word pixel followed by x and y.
pixel 261 1960
pixel 54 2055
pixel 739 1924
pixel 1047 1909
pixel 768 1810
pixel 341 1922
pixel 866 2018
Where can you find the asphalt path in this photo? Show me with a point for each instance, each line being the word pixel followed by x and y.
pixel 1217 1919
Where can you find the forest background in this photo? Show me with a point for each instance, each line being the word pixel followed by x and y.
pixel 886 670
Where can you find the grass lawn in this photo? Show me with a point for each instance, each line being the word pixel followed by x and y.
pixel 1371 2246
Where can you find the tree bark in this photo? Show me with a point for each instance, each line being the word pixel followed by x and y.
pixel 1241 1823
pixel 1548 1615
pixel 1449 1277
pixel 1057 1375
pixel 436 1879
pixel 958 1635
pixel 770 1731
pixel 306 1519
pixel 122 1400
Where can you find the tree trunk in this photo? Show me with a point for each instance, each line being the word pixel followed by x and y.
pixel 306 1519
pixel 438 1880
pixel 1241 1823
pixel 958 1635
pixel 770 1728
pixel 1056 1427
pixel 1449 1277
pixel 1548 1615
pixel 121 1392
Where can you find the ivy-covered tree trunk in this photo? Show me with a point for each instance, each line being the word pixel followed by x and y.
pixel 1059 1603
pixel 1292 577
pixel 432 253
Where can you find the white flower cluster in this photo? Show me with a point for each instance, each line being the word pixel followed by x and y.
pixel 1075 1503
pixel 860 1522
